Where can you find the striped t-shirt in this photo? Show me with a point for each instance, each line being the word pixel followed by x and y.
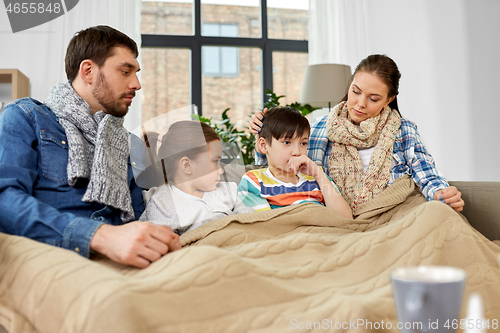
pixel 260 190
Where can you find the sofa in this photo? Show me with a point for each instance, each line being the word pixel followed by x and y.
pixel 482 208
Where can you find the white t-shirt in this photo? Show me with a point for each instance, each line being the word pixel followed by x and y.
pixel 365 155
pixel 183 212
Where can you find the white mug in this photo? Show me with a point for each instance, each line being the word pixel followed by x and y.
pixel 428 298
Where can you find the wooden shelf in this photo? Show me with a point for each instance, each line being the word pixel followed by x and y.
pixel 20 84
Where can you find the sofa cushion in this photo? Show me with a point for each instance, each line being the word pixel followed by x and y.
pixel 482 206
pixel 234 172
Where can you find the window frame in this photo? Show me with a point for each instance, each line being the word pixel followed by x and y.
pixel 196 41
pixel 220 56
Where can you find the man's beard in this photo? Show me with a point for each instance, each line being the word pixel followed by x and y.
pixel 111 105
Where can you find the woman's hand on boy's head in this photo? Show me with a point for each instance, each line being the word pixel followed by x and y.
pixel 255 126
pixel 256 121
pixel 304 165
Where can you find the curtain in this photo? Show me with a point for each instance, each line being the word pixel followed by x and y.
pixel 39 52
pixel 339 31
pixel 324 32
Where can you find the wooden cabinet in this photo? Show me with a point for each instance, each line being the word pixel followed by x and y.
pixel 14 82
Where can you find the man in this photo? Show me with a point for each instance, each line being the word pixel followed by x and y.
pixel 65 175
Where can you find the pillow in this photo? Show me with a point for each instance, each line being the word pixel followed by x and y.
pixel 234 172
pixel 147 194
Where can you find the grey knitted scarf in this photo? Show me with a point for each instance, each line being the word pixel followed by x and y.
pixel 98 149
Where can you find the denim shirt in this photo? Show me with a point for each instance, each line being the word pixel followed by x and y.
pixel 36 200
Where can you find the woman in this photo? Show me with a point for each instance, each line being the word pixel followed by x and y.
pixel 364 144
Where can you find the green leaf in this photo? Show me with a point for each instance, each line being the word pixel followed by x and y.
pixel 200 118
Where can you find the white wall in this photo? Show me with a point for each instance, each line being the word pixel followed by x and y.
pixel 447 52
pixel 483 33
pixel 448 58
pixel 435 91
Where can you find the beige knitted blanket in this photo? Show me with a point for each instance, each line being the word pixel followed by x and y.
pixel 283 270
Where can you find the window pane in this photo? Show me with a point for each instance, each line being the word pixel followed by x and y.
pixel 166 80
pixel 288 75
pixel 287 19
pixel 229 30
pixel 210 29
pixel 169 17
pixel 244 14
pixel 229 60
pixel 220 61
pixel 211 60
pixel 242 94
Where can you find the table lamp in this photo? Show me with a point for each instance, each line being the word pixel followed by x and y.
pixel 325 84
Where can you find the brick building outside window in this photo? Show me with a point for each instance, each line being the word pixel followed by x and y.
pixel 232 76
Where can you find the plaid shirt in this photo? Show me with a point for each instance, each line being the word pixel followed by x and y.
pixel 409 156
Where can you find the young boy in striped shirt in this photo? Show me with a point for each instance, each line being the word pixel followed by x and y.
pixel 291 177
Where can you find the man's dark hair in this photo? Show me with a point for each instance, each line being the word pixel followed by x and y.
pixel 283 123
pixel 95 43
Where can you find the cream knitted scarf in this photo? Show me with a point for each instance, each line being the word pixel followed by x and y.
pixel 345 165
pixel 98 149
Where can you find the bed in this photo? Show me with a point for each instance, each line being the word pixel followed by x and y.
pixel 300 268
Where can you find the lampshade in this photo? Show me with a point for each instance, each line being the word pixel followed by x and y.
pixel 325 84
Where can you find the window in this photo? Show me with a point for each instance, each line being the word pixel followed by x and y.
pixel 165 79
pixel 287 76
pixel 216 60
pixel 230 47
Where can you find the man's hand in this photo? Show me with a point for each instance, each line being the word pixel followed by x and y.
pixel 135 243
pixel 452 197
